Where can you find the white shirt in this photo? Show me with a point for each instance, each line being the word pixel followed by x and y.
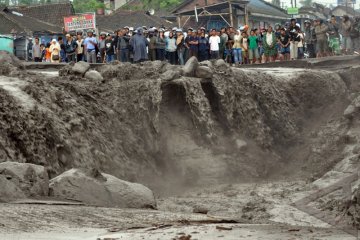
pixel 214 42
pixel 269 39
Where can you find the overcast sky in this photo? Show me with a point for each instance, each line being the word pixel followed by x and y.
pixel 324 2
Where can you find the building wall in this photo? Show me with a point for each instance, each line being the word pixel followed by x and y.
pixel 119 3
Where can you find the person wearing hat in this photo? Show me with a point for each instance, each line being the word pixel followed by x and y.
pixel 70 48
pixel 55 51
pixel 309 39
pixel 102 46
pixel 321 38
pixel 90 44
pixel 139 44
pixel 160 45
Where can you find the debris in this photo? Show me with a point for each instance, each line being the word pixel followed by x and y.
pixel 223 228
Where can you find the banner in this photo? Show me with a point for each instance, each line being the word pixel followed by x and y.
pixel 293 11
pixel 80 22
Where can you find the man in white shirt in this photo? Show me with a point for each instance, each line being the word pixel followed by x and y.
pixel 90 44
pixel 214 42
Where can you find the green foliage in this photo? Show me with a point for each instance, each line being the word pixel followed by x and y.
pixel 160 4
pixel 82 6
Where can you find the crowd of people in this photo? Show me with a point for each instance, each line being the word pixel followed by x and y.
pixel 288 41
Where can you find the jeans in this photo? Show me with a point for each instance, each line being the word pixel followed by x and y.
pixel 79 57
pixel 172 57
pixel 214 54
pixel 203 55
pixel 124 55
pixel 180 53
pixel 91 56
pixel 160 54
pixel 71 57
pixel 237 52
pixel 110 58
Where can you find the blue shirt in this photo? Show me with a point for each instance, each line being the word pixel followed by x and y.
pixel 90 46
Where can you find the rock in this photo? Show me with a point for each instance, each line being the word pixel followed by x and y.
pixel 94 75
pixel 170 75
pixel 356 102
pixel 203 72
pixel 349 111
pixel 206 63
pixel 100 189
pixel 9 190
pixel 31 179
pixel 220 63
pixel 190 67
pixel 200 209
pixel 240 144
pixel 81 67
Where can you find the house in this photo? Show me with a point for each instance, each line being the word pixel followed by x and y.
pixel 23 28
pixel 115 4
pixel 121 18
pixel 53 13
pixel 340 11
pixel 221 13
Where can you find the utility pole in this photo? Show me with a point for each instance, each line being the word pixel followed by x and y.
pixel 231 14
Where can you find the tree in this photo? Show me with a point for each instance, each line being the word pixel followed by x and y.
pixel 306 3
pixel 160 4
pixel 82 6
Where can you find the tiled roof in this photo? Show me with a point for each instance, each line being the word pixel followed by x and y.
pixel 122 18
pixel 24 25
pixel 52 13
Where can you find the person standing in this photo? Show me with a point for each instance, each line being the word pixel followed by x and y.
pixel 80 47
pixel 139 44
pixel 171 48
pixel 203 48
pixel 160 46
pixel 193 44
pixel 36 51
pixel 310 39
pixel 269 44
pixel 253 47
pixel 236 48
pixel 90 44
pixel 109 49
pixel 346 29
pixel 180 46
pixel 223 41
pixel 214 42
pixel 321 38
pixel 333 32
pixel 284 42
pixel 123 46
pixel 55 51
pixel 70 48
pixel 152 45
pixel 102 49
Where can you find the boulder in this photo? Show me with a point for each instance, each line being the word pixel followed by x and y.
pixel 170 75
pixel 81 67
pixel 190 67
pixel 31 179
pixel 203 72
pixel 206 63
pixel 100 189
pixel 220 64
pixel 9 191
pixel 93 75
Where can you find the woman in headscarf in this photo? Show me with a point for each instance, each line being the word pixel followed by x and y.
pixel 55 51
pixel 139 44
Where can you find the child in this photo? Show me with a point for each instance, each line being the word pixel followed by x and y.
pixel 43 52
pixel 47 53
